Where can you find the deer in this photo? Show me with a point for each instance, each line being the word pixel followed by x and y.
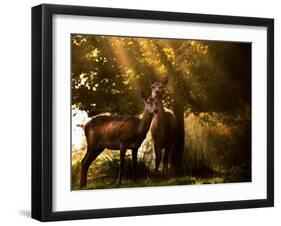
pixel 163 127
pixel 116 133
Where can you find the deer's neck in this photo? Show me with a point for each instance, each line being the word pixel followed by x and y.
pixel 161 112
pixel 145 123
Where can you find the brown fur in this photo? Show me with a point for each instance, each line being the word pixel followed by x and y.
pixel 162 129
pixel 116 133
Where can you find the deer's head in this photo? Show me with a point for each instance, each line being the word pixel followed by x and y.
pixel 150 103
pixel 157 88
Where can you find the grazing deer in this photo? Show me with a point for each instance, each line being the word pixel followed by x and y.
pixel 116 133
pixel 162 127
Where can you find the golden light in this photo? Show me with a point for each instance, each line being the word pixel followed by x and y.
pixel 79 118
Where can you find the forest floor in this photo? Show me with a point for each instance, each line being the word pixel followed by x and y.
pixel 103 173
pixel 149 182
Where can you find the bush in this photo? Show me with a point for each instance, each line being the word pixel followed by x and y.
pixel 217 143
pixel 109 168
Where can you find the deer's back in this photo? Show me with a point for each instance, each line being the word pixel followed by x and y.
pixel 110 131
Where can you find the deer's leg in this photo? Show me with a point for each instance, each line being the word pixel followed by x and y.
pixel 90 156
pixel 134 157
pixel 166 161
pixel 158 157
pixel 123 150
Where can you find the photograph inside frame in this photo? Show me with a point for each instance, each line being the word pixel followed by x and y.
pixel 159 112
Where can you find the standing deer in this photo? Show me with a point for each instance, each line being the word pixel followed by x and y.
pixel 162 128
pixel 116 133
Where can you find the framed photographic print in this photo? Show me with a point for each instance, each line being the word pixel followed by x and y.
pixel 146 112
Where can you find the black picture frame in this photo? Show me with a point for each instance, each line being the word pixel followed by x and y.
pixel 42 107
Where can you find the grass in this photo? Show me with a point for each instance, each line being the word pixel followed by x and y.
pixel 103 173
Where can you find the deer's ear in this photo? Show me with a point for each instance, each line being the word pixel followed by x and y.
pixel 165 80
pixel 143 96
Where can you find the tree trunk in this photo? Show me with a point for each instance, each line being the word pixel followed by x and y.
pixel 179 138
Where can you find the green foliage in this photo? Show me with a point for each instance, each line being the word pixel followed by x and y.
pixel 109 168
pixel 109 72
pixel 217 144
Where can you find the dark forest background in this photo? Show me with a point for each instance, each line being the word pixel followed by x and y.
pixel 209 90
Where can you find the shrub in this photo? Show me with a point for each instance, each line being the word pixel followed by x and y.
pixel 217 142
pixel 109 167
